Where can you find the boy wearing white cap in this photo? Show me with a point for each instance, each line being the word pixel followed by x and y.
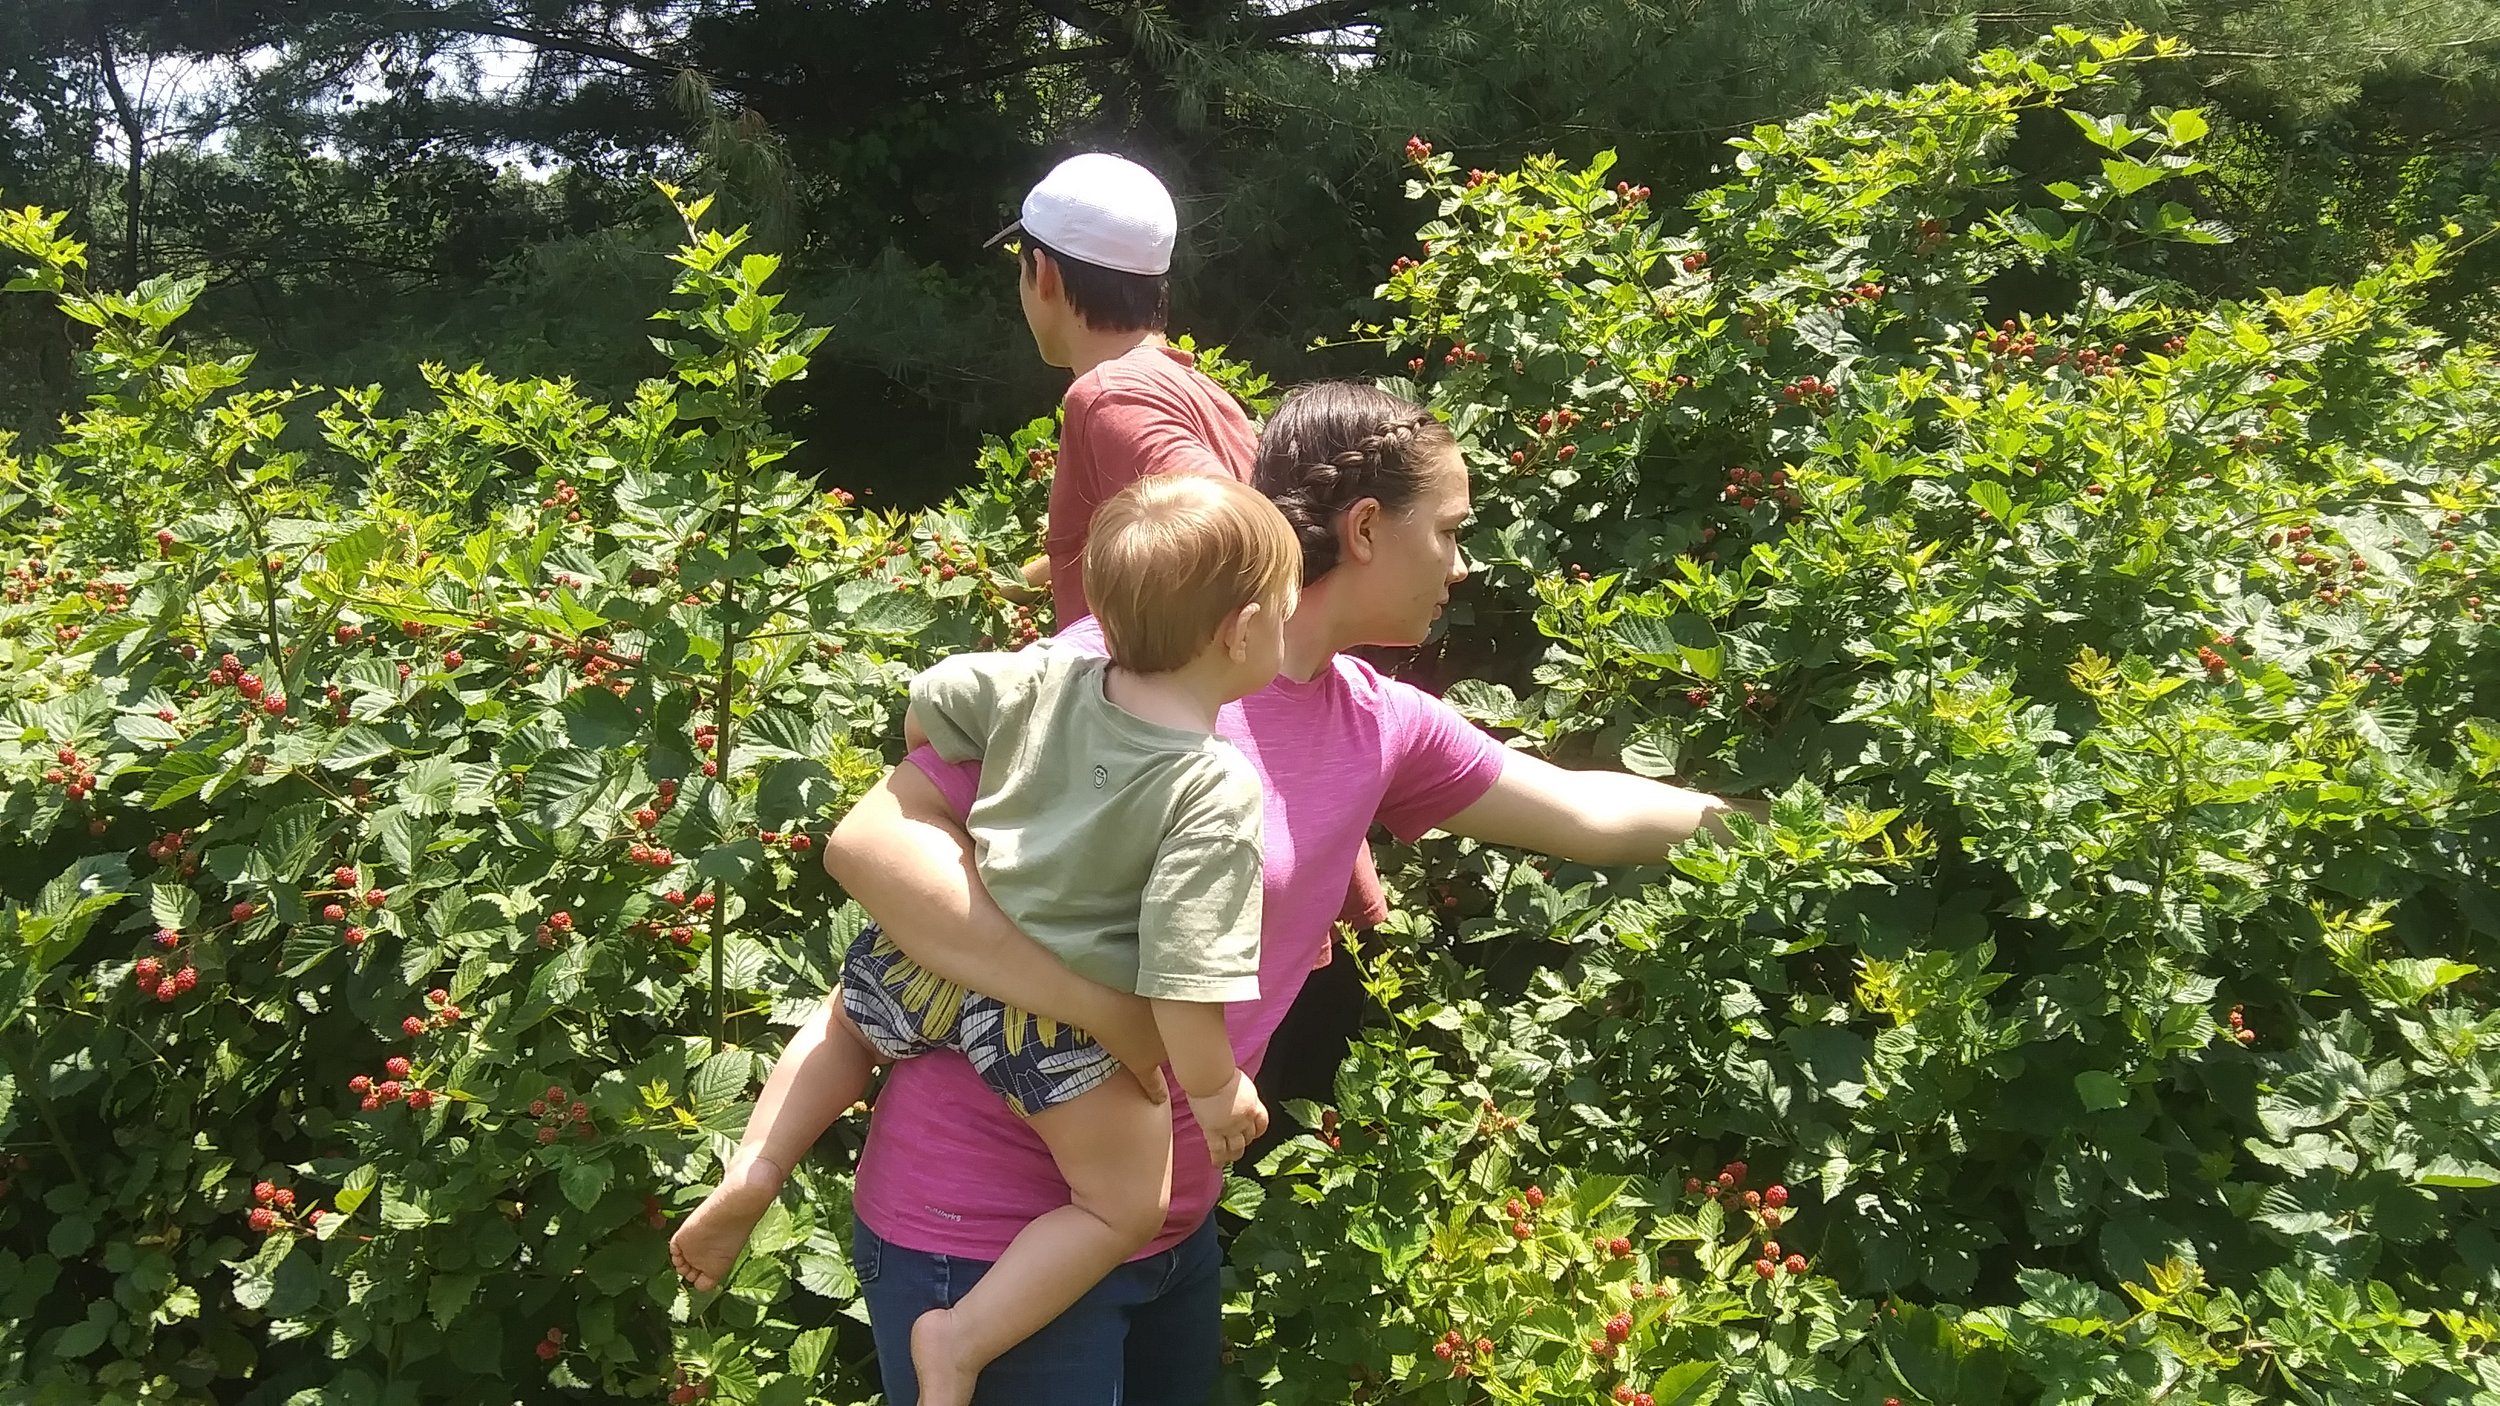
pixel 1096 254
pixel 1096 250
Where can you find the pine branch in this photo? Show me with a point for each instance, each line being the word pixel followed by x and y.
pixel 1314 19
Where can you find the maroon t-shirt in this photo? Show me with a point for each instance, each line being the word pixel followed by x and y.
pixel 1148 412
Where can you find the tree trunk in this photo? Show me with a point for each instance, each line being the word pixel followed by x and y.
pixel 135 136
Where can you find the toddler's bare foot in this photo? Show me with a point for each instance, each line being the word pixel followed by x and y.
pixel 937 1356
pixel 704 1248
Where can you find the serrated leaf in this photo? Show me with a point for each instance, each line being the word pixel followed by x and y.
pixel 721 1081
pixel 596 720
pixel 1657 750
pixel 828 1276
pixel 584 1182
pixel 892 614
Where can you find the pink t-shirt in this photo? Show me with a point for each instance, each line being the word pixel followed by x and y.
pixel 950 1171
pixel 1149 412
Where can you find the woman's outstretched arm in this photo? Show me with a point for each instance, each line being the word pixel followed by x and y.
pixel 1595 817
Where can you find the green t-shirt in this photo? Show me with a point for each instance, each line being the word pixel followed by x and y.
pixel 1129 849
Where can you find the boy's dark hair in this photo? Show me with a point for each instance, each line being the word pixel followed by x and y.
pixel 1108 300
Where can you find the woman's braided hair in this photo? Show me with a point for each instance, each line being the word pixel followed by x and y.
pixel 1333 444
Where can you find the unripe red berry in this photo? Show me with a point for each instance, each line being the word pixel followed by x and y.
pixel 344 877
pixel 560 920
pixel 1536 1198
pixel 375 898
pixel 263 1219
pixel 412 1027
pixel 353 937
pixel 1765 1268
pixel 362 1083
pixel 1520 1229
pixel 332 913
pixel 396 1066
pixel 243 911
pixel 1619 1247
pixel 1794 1264
pixel 1775 1196
pixel 264 1192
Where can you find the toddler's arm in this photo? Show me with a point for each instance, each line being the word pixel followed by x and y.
pixel 1221 1097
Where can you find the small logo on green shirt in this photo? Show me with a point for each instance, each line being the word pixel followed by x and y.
pixel 1102 776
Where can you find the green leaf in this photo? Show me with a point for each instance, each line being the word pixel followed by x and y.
pixel 2110 133
pixel 562 787
pixel 2463 1176
pixel 1938 1363
pixel 2100 1090
pixel 1684 642
pixel 360 744
pixel 2185 126
pixel 807 1351
pixel 1654 751
pixel 87 1334
pixel 828 1276
pixel 584 1182
pixel 892 614
pixel 1693 1383
pixel 2128 177
pixel 721 1081
pixel 1994 500
pixel 597 720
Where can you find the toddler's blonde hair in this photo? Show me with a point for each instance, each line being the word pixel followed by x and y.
pixel 1169 557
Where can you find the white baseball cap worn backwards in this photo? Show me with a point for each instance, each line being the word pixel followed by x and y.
pixel 1103 209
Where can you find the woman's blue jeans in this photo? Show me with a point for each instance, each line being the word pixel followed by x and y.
pixel 1149 1335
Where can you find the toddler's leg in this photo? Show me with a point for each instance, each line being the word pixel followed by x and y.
pixel 824 1071
pixel 1114 1147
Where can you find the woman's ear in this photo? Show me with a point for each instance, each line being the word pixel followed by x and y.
pixel 1358 531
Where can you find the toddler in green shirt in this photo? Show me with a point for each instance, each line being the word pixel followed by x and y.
pixel 1118 831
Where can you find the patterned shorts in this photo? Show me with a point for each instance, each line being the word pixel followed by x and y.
pixel 904 1010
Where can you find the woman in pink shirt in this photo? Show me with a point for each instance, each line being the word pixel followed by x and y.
pixel 1377 491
